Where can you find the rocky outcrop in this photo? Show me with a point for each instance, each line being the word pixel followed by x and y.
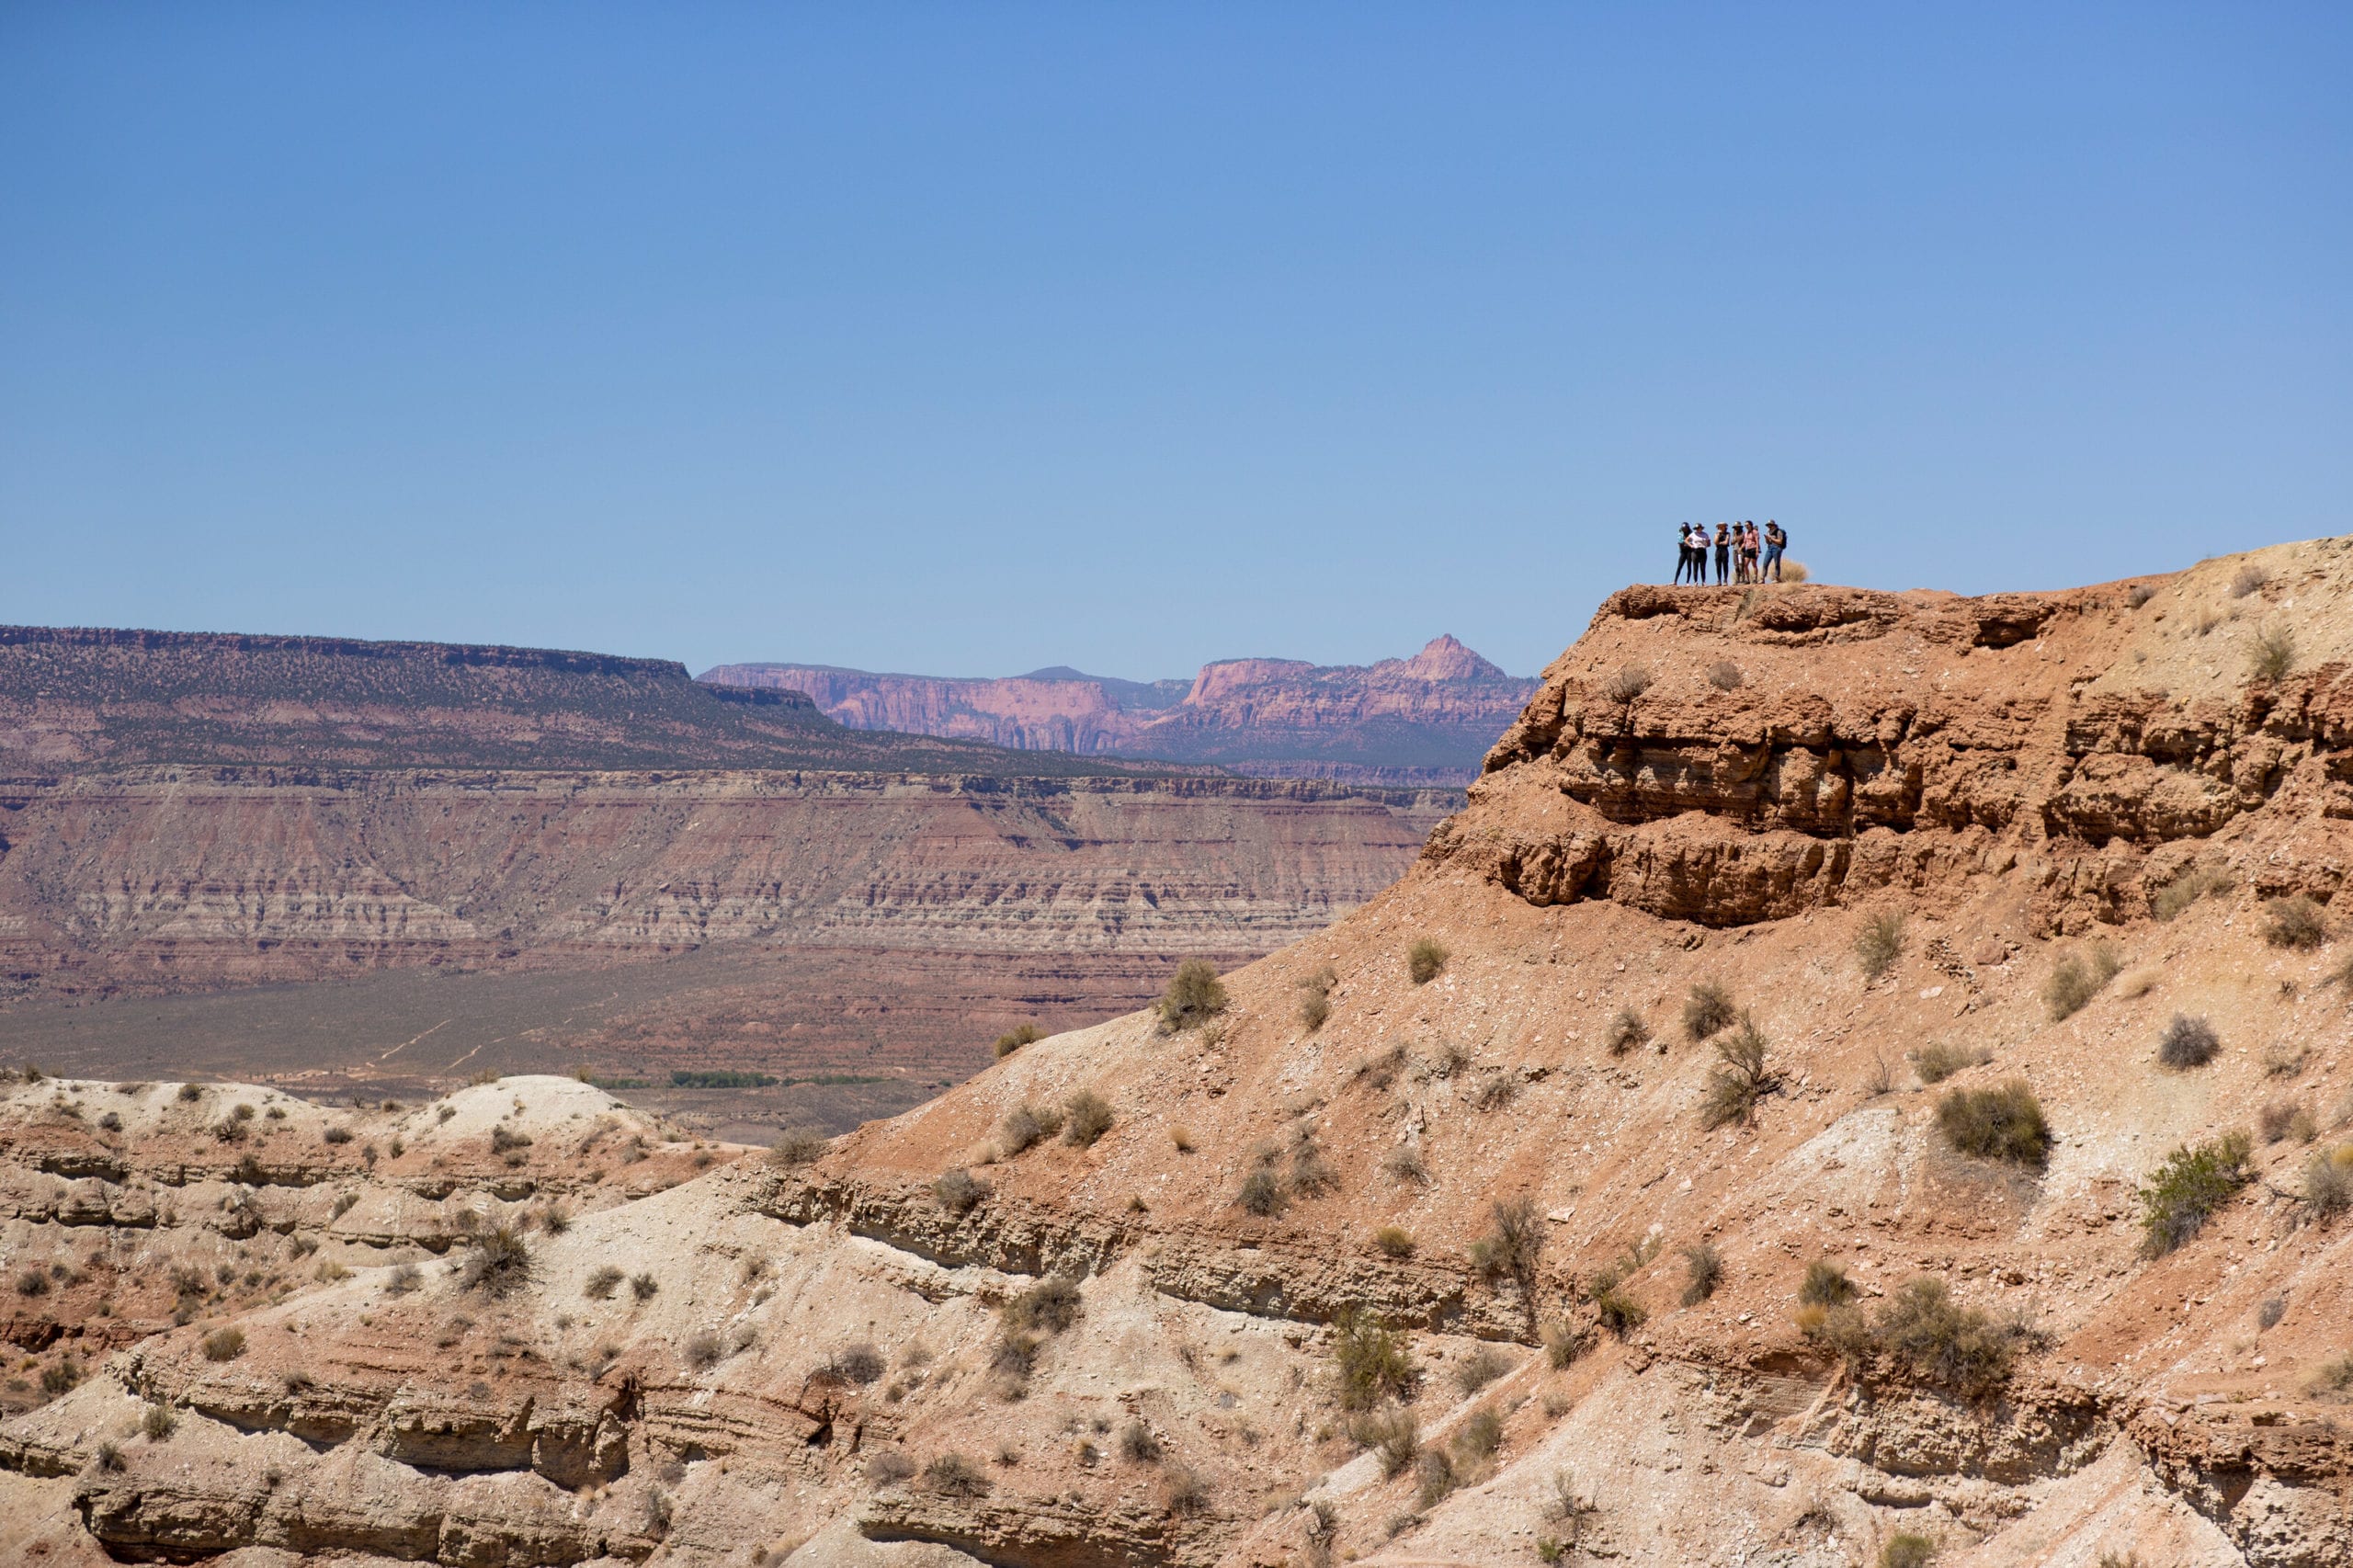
pixel 1422 721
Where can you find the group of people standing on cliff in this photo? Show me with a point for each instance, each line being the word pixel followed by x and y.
pixel 1743 555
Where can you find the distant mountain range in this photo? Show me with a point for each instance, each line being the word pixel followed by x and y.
pixel 1427 720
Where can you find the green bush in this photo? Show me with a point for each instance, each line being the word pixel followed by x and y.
pixel 2003 1123
pixel 1626 1031
pixel 1621 1314
pixel 1945 1343
pixel 959 1192
pixel 1194 996
pixel 1393 1241
pixel 2186 890
pixel 2271 651
pixel 1708 1010
pixel 1703 1270
pixel 2187 1189
pixel 1026 1125
pixel 1262 1194
pixel 1049 1306
pixel 2187 1042
pixel 1088 1116
pixel 498 1264
pixel 1423 959
pixel 1937 1061
pixel 1907 1549
pixel 1825 1285
pixel 2077 979
pixel 1880 943
pixel 2294 922
pixel 1373 1362
pixel 1511 1249
pixel 1741 1078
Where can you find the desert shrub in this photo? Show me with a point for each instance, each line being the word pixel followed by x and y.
pixel 1404 1162
pixel 1620 1312
pixel 112 1121
pixel 1262 1193
pixel 1563 1343
pixel 1510 1251
pixel 109 1457
pixel 1481 1434
pixel 1907 1549
pixel 2294 922
pixel 1495 1090
pixel 953 1475
pixel 498 1264
pixel 889 1467
pixel 1137 1444
pixel 1742 1076
pixel 1724 676
pixel 60 1377
pixel 1392 1434
pixel 1194 996
pixel 1087 1116
pixel 1315 998
pixel 32 1282
pixel 2332 1378
pixel 702 1350
pixel 224 1345
pixel 1945 1343
pixel 189 1092
pixel 337 1134
pixel 1027 1126
pixel 1825 1285
pixel 644 1286
pixel 1013 1357
pixel 1626 1032
pixel 2002 1123
pixel 2271 651
pixel 329 1271
pixel 2189 1189
pixel 1936 1062
pixel 602 1283
pixel 503 1138
pixel 1051 1305
pixel 959 1192
pixel 1436 1473
pixel 1708 1010
pixel 2077 979
pixel 1424 960
pixel 2139 593
pixel 1482 1367
pixel 2274 1308
pixel 1703 1270
pixel 2328 1182
pixel 1016 1037
pixel 1184 1490
pixel 1629 683
pixel 2278 1119
pixel 2250 577
pixel 2187 1042
pixel 1880 943
pixel 157 1422
pixel 2186 890
pixel 1373 1363
pixel 1395 1241
pixel 797 1146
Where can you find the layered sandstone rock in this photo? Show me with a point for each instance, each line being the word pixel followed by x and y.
pixel 851 1360
pixel 1421 721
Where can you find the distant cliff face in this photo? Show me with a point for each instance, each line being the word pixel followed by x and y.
pixel 72 696
pixel 1426 720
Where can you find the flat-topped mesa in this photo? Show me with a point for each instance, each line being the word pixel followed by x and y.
pixel 1727 755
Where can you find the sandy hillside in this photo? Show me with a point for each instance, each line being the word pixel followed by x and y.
pixel 1944 1228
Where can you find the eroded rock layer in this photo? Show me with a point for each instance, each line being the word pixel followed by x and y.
pixel 1664 1215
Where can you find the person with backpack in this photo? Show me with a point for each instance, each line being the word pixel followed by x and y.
pixel 1775 541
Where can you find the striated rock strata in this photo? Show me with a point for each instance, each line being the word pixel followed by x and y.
pixel 939 1341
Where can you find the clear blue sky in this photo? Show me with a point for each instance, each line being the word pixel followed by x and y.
pixel 970 338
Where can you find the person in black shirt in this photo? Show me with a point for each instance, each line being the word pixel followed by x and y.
pixel 1723 552
pixel 1774 542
